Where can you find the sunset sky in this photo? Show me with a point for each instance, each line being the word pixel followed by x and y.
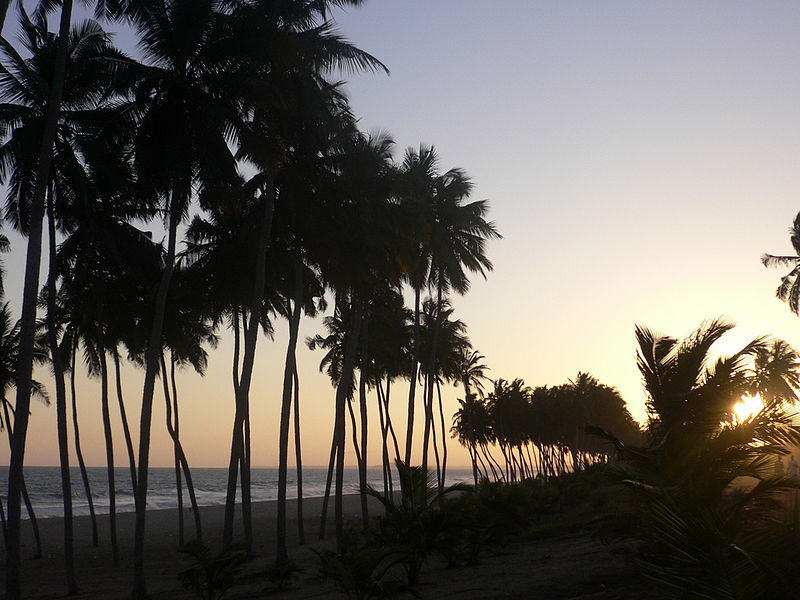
pixel 638 158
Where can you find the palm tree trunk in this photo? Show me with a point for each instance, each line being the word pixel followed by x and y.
pixel 251 338
pixel 444 436
pixel 151 370
pixel 244 473
pixel 301 533
pixel 286 405
pixel 24 488
pixel 384 441
pixel 61 405
pixel 3 520
pixel 413 381
pixel 328 480
pixel 28 317
pixel 173 435
pixel 342 389
pixel 187 474
pixel 431 378
pixel 112 492
pixel 362 397
pixel 125 429
pixel 389 417
pixel 84 475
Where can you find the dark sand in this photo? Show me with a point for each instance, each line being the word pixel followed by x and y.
pixel 570 565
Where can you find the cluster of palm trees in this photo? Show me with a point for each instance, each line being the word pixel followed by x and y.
pixel 539 432
pixel 227 115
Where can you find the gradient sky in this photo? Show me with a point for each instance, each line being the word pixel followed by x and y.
pixel 638 157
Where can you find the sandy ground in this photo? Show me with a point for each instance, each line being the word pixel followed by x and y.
pixel 571 566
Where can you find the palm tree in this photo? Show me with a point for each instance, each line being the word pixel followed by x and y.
pixel 789 289
pixel 84 88
pixel 457 245
pixel 29 297
pixel 188 106
pixel 471 371
pixel 472 428
pixel 776 373
pixel 363 257
pixel 417 174
pixel 322 114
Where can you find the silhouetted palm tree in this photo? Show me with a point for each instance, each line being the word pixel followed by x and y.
pixel 29 298
pixel 776 373
pixel 789 289
pixel 86 83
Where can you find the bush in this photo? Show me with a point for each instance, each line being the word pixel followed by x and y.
pixel 212 573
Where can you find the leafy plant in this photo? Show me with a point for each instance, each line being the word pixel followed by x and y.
pixel 706 534
pixel 212 573
pixel 362 573
pixel 281 573
pixel 415 524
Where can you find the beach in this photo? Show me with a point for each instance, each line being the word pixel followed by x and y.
pixel 572 564
pixel 97 578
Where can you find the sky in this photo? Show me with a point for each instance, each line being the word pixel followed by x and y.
pixel 638 159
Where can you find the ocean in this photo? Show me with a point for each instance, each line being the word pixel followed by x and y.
pixel 44 487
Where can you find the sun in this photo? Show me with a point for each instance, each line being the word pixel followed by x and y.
pixel 747 407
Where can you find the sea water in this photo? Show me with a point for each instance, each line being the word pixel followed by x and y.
pixel 44 486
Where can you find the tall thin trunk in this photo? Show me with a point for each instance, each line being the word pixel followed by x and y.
pixel 413 381
pixel 28 317
pixel 389 425
pixel 183 461
pixel 151 370
pixel 125 429
pixel 84 475
pixel 444 435
pixel 301 533
pixel 286 405
pixel 173 434
pixel 362 397
pixel 345 384
pixel 3 520
pixel 236 347
pixel 251 338
pixel 61 404
pixel 328 480
pixel 430 379
pixel 244 473
pixel 24 489
pixel 384 441
pixel 435 443
pixel 112 491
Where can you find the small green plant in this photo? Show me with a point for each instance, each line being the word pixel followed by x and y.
pixel 362 573
pixel 212 573
pixel 281 573
pixel 417 523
